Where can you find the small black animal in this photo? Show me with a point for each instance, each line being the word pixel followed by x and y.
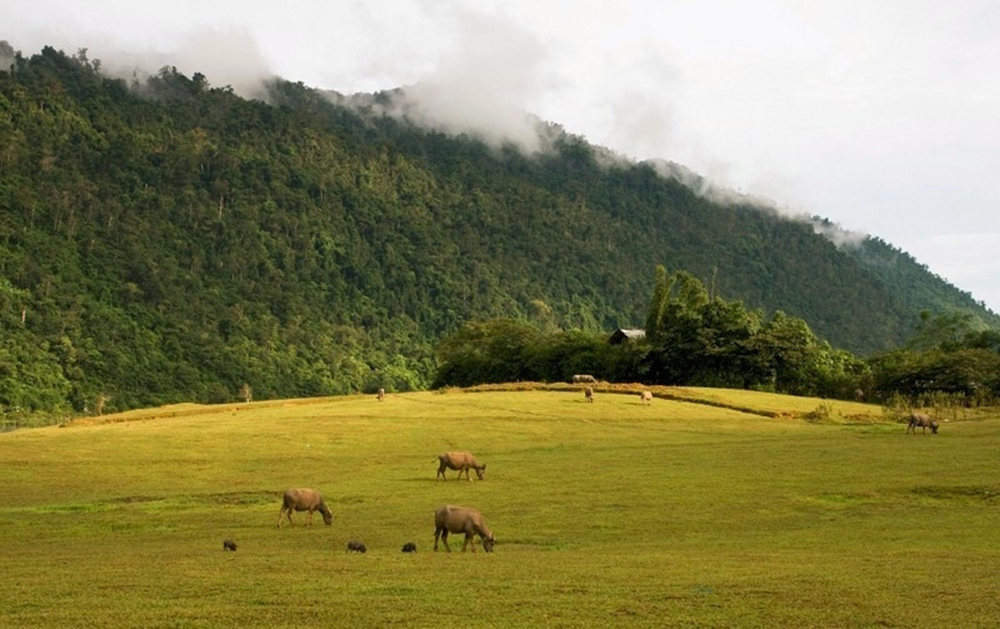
pixel 229 545
pixel 356 546
pixel 409 547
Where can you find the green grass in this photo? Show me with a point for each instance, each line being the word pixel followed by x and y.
pixel 612 513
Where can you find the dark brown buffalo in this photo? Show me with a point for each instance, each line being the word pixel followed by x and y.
pixel 922 420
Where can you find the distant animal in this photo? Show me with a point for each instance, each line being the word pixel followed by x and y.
pixel 452 519
pixel 381 394
pixel 859 395
pixel 229 545
pixel 304 500
pixel 461 461
pixel 356 546
pixel 409 547
pixel 924 421
pixel 580 378
pixel 588 394
pixel 646 397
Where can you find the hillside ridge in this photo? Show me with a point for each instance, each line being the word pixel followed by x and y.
pixel 170 241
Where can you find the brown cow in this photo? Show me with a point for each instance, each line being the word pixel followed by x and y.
pixel 452 519
pixel 304 500
pixel 461 461
pixel 924 421
pixel 588 394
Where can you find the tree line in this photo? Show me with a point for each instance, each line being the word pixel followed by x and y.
pixel 696 339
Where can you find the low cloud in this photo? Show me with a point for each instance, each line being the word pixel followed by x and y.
pixel 6 55
pixel 837 234
pixel 479 88
pixel 227 57
pixel 704 187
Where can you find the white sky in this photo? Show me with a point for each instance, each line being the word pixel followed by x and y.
pixel 882 116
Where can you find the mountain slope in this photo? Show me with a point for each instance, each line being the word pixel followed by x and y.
pixel 170 241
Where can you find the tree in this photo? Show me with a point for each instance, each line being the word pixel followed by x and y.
pixel 943 331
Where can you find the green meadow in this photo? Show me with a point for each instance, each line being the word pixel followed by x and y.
pixel 686 512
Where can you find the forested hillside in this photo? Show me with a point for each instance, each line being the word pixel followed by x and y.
pixel 171 241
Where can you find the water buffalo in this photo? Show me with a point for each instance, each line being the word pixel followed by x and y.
pixel 452 519
pixel 646 397
pixel 461 461
pixel 588 394
pixel 580 378
pixel 304 500
pixel 924 421
pixel 381 394
pixel 356 546
pixel 409 547
pixel 229 545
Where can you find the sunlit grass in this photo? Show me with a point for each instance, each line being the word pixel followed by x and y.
pixel 615 512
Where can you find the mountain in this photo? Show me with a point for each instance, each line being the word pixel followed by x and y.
pixel 167 240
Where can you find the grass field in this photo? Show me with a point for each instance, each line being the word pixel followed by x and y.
pixel 612 513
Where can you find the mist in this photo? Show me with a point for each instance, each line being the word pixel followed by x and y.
pixel 480 87
pixel 226 57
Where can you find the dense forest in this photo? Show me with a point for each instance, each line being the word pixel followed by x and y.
pixel 693 339
pixel 166 240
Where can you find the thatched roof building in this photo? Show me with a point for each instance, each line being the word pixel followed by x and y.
pixel 626 335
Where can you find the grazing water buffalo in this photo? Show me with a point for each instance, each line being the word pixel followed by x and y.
pixel 924 421
pixel 229 545
pixel 381 394
pixel 580 378
pixel 304 500
pixel 409 547
pixel 452 519
pixel 588 394
pixel 646 397
pixel 461 461
pixel 356 546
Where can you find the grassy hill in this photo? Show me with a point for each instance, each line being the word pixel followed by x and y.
pixel 682 513
pixel 170 241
